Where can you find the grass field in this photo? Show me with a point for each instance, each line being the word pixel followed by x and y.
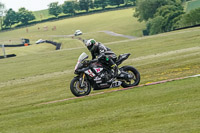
pixel 40 74
pixel 192 5
pixel 42 14
pixel 117 21
pixel 170 107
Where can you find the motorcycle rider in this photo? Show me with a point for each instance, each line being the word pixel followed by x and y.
pixel 103 54
pixel 98 51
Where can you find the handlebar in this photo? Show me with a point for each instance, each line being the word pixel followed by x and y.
pixel 87 62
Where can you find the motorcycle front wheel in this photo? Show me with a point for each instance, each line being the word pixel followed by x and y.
pixel 135 74
pixel 77 90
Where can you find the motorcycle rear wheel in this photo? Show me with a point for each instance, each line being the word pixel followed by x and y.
pixel 77 90
pixel 136 77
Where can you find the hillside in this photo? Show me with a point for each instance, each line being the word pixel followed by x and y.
pixel 42 14
pixel 40 74
pixel 117 21
pixel 192 5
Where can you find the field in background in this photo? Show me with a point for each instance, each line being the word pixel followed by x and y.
pixel 42 14
pixel 121 22
pixel 40 74
pixel 192 5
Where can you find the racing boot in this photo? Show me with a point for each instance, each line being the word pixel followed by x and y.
pixel 115 71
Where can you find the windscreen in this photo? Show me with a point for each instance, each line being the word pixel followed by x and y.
pixel 82 57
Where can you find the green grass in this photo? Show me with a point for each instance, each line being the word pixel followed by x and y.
pixel 37 78
pixel 169 107
pixel 120 21
pixel 88 24
pixel 36 62
pixel 191 5
pixel 40 74
pixel 42 14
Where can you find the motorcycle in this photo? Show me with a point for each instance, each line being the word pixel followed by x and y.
pixel 96 75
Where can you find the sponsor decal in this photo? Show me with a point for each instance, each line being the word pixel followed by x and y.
pixel 98 70
pixel 90 73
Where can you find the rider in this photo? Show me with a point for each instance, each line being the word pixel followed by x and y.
pixel 103 54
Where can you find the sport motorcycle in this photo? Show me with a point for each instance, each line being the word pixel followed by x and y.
pixel 97 75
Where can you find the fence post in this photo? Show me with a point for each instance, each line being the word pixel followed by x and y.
pixel 1 46
pixel 4 52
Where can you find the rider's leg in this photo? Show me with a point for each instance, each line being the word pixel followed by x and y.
pixel 114 67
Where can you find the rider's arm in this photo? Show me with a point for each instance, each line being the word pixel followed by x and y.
pixel 93 56
pixel 94 60
pixel 102 48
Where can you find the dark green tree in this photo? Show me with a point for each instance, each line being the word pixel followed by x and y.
pixel 24 16
pixel 2 10
pixel 132 2
pixel 166 18
pixel 116 2
pixel 55 9
pixel 10 18
pixel 191 18
pixel 70 7
pixel 146 9
pixel 171 14
pixel 86 4
pixel 101 3
pixel 154 26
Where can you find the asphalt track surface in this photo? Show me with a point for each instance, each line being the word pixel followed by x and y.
pixel 121 89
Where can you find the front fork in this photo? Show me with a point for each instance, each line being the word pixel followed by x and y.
pixel 81 79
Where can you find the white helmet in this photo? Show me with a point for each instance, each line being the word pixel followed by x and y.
pixel 90 42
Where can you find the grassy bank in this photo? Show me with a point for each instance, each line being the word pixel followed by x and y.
pixel 40 74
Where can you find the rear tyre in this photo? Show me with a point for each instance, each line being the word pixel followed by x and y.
pixel 77 90
pixel 135 74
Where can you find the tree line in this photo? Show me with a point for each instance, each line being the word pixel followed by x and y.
pixel 165 15
pixel 71 7
pixel 24 16
pixel 160 15
pixel 10 17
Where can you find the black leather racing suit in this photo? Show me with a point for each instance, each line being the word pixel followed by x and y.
pixel 104 55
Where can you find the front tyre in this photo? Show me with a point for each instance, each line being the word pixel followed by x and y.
pixel 135 80
pixel 76 88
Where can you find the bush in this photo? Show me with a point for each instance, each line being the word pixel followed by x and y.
pixel 191 18
pixel 155 25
